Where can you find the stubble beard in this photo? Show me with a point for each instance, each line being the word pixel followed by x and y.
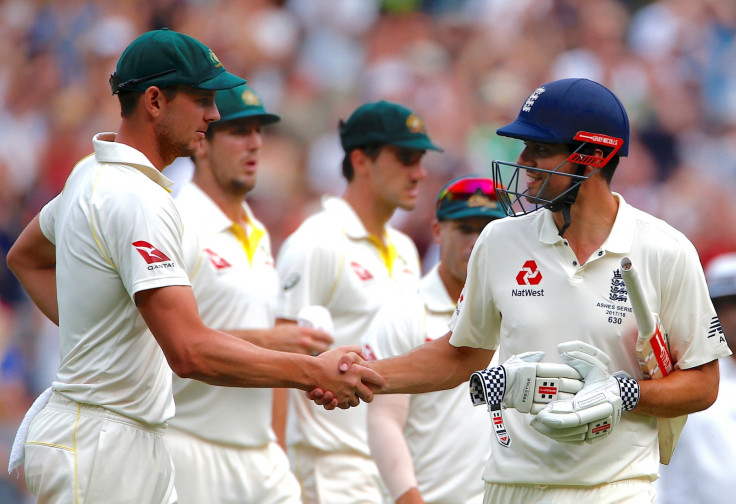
pixel 170 148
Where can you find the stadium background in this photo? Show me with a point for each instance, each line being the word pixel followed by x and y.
pixel 464 65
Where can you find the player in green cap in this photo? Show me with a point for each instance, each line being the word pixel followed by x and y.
pixel 348 259
pixel 221 440
pixel 104 260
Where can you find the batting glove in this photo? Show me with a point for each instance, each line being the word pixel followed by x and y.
pixel 523 383
pixel 592 413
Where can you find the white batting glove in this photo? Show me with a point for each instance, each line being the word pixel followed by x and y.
pixel 594 412
pixel 523 383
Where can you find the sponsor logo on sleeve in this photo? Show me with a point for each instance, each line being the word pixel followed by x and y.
pixel 716 329
pixel 153 256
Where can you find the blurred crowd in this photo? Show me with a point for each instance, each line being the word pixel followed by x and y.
pixel 464 65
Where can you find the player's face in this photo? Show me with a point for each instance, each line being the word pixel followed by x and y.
pixel 456 239
pixel 184 122
pixel 234 153
pixel 396 175
pixel 545 156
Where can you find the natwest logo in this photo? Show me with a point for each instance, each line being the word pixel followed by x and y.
pixel 150 253
pixel 529 274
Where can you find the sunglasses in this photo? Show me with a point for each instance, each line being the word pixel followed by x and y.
pixel 408 157
pixel 466 188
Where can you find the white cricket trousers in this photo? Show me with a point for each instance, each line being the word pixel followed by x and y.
pixel 81 454
pixel 219 474
pixel 630 491
pixel 336 477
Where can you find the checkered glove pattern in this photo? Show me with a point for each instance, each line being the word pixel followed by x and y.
pixel 628 389
pixel 523 383
pixel 593 413
pixel 487 386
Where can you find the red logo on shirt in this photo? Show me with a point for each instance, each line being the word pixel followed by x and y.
pixel 150 253
pixel 362 273
pixel 529 275
pixel 217 260
pixel 368 353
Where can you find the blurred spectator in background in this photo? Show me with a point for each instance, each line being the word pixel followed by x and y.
pixel 461 64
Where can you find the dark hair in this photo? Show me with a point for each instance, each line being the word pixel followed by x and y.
pixel 129 99
pixel 372 151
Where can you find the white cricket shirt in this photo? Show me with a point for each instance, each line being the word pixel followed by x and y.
pixel 526 291
pixel 330 260
pixel 116 232
pixel 233 291
pixel 448 438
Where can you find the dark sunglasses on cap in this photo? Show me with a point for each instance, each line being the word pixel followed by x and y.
pixel 464 189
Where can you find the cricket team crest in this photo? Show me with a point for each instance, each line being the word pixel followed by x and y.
pixel 618 288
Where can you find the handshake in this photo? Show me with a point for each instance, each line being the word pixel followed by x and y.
pixel 572 402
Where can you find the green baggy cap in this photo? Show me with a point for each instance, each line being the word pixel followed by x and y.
pixel 166 58
pixel 384 123
pixel 242 102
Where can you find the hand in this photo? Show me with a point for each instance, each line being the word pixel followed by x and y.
pixel 346 379
pixel 524 383
pixel 411 496
pixel 594 412
pixel 298 339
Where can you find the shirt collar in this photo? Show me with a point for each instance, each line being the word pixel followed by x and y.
pixel 619 239
pixel 109 151
pixel 210 213
pixel 349 220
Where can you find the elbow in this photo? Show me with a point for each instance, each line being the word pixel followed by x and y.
pixel 12 261
pixel 710 398
pixel 188 363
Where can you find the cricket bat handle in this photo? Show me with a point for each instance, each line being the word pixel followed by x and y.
pixel 653 354
pixel 645 320
pixel 651 345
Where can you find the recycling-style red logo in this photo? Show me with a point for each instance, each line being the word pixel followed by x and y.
pixel 529 274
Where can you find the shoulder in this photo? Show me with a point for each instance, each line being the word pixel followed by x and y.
pixel 318 231
pixel 401 240
pixel 655 233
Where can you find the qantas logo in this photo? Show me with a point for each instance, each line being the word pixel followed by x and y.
pixel 217 260
pixel 362 273
pixel 529 274
pixel 368 353
pixel 150 253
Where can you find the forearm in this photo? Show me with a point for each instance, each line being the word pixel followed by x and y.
pixel 435 365
pixel 680 393
pixel 386 418
pixel 32 259
pixel 225 360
